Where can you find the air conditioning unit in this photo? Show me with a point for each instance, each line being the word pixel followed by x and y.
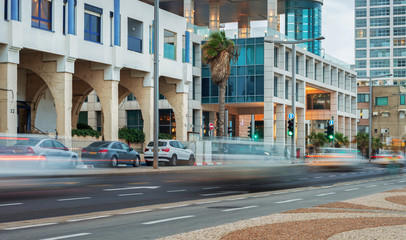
pixel 375 114
pixel 384 130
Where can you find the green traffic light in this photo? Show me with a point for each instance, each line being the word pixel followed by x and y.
pixel 255 136
pixel 331 137
pixel 290 133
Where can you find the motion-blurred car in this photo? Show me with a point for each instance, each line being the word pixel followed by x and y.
pixel 45 152
pixel 343 158
pixel 388 157
pixel 169 151
pixel 110 153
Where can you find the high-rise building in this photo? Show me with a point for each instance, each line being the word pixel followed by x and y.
pixel 380 39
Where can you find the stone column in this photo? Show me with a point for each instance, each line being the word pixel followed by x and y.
pixel 109 100
pixel 272 14
pixel 347 127
pixel 189 11
pixel 214 15
pixel 243 26
pixel 180 109
pixel 8 98
pixel 300 130
pixel 340 126
pixel 280 124
pixel 61 88
pixel 353 132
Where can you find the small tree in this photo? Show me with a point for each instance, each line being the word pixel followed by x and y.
pixel 376 145
pixel 362 140
pixel 317 140
pixel 340 140
pixel 131 135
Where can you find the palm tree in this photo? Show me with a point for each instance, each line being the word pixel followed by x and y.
pixel 362 140
pixel 340 140
pixel 219 51
pixel 317 139
pixel 376 145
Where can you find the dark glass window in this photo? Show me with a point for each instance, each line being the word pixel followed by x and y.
pixel 363 97
pixel 402 99
pixel 41 14
pixel 83 117
pixel 134 35
pixel 134 119
pixel 381 101
pixel 167 122
pixel 275 86
pixel 318 101
pixel 93 23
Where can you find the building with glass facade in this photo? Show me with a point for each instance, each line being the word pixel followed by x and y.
pixel 380 39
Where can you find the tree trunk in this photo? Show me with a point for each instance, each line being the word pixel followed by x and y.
pixel 222 102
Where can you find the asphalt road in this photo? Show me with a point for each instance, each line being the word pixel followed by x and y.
pixel 151 206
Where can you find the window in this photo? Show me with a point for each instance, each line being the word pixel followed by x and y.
pixel 134 28
pixel 363 113
pixel 83 117
pixel 169 45
pixel 380 63
pixel 361 43
pixel 399 31
pixel 360 3
pixel 131 97
pixel 275 86
pixel 361 12
pixel 379 32
pixel 399 72
pixel 297 64
pixel 361 64
pixel 399 62
pixel 399 21
pixel 379 2
pixel 374 73
pixel 5 10
pixel 360 53
pixel 360 33
pixel 307 67
pixel 380 42
pixel 47 144
pixel 399 41
pixel 381 101
pixel 379 22
pixel 41 14
pixel 287 89
pixel 374 53
pixel 117 146
pixel 399 10
pixel 287 61
pixel 98 121
pixel 275 57
pixel 399 1
pixel 361 73
pixel 363 97
pixel 359 23
pixel 318 101
pixel 379 11
pixel 93 23
pixel 402 99
pixel 134 119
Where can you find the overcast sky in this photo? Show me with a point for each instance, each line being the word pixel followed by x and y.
pixel 338 28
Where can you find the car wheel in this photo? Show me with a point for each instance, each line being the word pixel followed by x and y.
pixel 114 161
pixel 136 162
pixel 173 160
pixel 192 160
pixel 73 162
pixel 149 163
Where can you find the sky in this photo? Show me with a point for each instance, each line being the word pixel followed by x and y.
pixel 338 29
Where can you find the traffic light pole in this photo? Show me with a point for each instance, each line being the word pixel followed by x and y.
pixel 253 126
pixel 293 98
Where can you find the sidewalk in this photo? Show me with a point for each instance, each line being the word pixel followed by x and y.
pixel 378 216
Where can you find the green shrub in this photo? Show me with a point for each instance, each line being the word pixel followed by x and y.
pixel 131 135
pixel 85 132
pixel 83 126
pixel 164 136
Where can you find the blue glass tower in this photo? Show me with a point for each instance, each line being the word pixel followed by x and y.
pixel 303 21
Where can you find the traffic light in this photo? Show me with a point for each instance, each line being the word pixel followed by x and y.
pixel 330 132
pixel 250 133
pixel 290 128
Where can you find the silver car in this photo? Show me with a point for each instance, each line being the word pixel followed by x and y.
pixel 45 152
pixel 169 151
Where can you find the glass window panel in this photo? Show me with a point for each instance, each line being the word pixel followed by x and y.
pixel 232 87
pixel 214 90
pixel 241 71
pixel 250 55
pixel 250 85
pixel 259 54
pixel 381 101
pixel 205 87
pixel 259 85
pixel 241 59
pixel 240 86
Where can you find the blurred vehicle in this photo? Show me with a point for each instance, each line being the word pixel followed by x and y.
pixel 388 157
pixel 46 152
pixel 169 151
pixel 343 158
pixel 110 153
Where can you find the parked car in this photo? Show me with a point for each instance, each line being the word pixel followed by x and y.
pixel 169 151
pixel 388 157
pixel 45 151
pixel 110 153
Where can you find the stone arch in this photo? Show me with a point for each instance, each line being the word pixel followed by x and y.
pixel 80 90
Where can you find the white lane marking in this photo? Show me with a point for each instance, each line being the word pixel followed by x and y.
pixel 177 206
pixel 385 184
pixel 279 193
pixel 168 219
pixel 290 200
pixel 233 199
pixel 318 177
pixel 179 190
pixel 263 195
pixel 402 181
pixel 67 236
pixel 30 226
pixel 235 209
pixel 371 186
pixel 89 218
pixel 73 199
pixel 221 193
pixel 350 189
pixel 343 174
pixel 305 178
pixel 132 212
pixel 131 188
pixel 332 176
pixel 129 194
pixel 325 194
pixel 207 202
pixel 9 204
pixel 208 188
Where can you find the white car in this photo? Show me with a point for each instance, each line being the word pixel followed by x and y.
pixel 169 151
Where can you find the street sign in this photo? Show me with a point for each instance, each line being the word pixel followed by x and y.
pixel 331 122
pixel 291 116
pixel 211 126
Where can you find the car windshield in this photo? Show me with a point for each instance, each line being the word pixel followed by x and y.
pixel 160 144
pixel 31 142
pixel 99 144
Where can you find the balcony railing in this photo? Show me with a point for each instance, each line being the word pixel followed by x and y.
pixel 169 51
pixel 134 44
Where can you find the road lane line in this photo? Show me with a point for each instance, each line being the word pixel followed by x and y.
pixel 179 190
pixel 221 193
pixel 332 176
pixel 350 189
pixel 129 194
pixel 233 199
pixel 290 200
pixel 402 181
pixel 130 188
pixel 73 199
pixel 279 193
pixel 318 177
pixel 133 212
pixel 207 202
pixel 67 236
pixel 176 206
pixel 168 219
pixel 9 204
pixel 30 226
pixel 263 195
pixel 235 209
pixel 303 178
pixel 89 218
pixel 343 174
pixel 371 186
pixel 208 188
pixel 325 194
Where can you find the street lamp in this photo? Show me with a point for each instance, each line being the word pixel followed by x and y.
pixel 294 42
pixel 156 82
pixel 370 110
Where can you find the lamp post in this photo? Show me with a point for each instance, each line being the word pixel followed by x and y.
pixel 294 42
pixel 156 81
pixel 370 111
